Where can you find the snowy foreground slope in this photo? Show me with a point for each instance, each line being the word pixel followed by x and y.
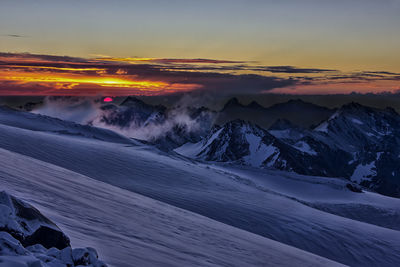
pixel 292 209
pixel 37 122
pixel 132 230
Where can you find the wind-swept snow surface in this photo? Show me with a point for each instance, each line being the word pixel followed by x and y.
pixel 292 209
pixel 36 122
pixel 131 230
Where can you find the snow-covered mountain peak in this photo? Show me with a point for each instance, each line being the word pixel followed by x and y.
pixel 243 126
pixel 236 140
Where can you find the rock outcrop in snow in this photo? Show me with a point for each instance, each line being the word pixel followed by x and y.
pixel 27 238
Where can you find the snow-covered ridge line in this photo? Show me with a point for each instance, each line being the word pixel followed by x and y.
pixel 37 122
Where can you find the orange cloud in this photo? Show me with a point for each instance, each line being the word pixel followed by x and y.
pixel 71 81
pixel 49 74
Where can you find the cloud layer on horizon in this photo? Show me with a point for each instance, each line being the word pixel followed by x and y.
pixel 34 74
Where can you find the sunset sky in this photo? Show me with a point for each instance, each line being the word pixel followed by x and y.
pixel 150 47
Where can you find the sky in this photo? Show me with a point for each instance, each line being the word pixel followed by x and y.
pixel 121 47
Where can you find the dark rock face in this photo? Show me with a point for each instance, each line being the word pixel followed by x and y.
pixel 186 125
pixel 132 113
pixel 231 139
pixel 24 231
pixel 354 188
pixel 372 137
pixel 357 142
pixel 244 143
pixel 48 237
pixel 28 225
pixel 30 106
pixel 164 128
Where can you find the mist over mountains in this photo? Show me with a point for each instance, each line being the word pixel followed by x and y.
pixel 355 142
pixel 314 183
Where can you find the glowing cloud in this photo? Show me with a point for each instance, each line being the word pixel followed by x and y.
pixel 31 74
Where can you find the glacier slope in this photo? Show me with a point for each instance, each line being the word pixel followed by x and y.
pixel 129 229
pixel 215 194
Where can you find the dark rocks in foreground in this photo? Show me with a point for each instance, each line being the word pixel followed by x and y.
pixel 27 238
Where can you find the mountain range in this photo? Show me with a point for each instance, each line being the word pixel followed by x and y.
pixel 302 113
pixel 237 198
pixel 355 142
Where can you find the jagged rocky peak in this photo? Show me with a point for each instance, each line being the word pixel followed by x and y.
pixel 297 101
pixel 133 101
pixel 232 103
pixel 368 116
pixel 236 141
pixel 254 104
pixel 195 112
pixel 244 127
pixel 353 106
pixel 241 126
pixel 363 141
pixel 366 112
pixel 233 125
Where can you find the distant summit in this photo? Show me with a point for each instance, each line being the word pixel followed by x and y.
pixel 296 111
pixel 232 103
pixel 132 101
pixel 254 105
